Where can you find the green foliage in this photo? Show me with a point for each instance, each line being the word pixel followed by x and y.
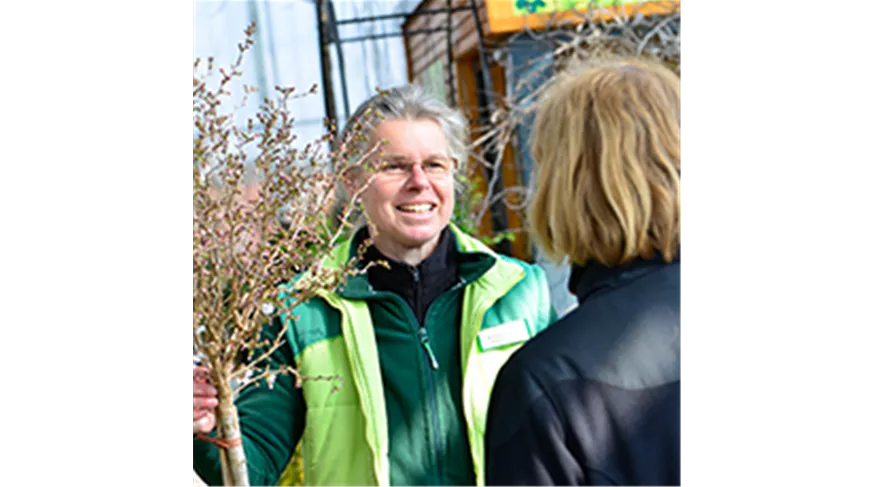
pixel 469 202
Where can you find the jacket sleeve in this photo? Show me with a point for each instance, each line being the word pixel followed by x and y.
pixel 525 435
pixel 271 421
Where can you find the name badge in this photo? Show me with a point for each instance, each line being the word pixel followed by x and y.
pixel 503 334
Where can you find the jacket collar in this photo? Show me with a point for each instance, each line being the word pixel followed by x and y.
pixel 593 276
pixel 438 269
pixel 469 257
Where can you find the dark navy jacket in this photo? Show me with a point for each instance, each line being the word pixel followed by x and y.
pixel 595 398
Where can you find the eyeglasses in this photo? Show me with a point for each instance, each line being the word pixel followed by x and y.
pixel 434 168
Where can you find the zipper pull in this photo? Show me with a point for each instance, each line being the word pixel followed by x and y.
pixel 423 339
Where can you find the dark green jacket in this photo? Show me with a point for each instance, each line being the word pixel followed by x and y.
pixel 411 405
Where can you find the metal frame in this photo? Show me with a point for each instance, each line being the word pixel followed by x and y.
pixel 328 35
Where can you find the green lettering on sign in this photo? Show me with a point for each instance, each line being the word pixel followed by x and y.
pixel 525 7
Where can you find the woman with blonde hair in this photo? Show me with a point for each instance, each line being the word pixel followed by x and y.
pixel 595 399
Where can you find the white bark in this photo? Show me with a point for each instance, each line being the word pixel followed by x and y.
pixel 234 470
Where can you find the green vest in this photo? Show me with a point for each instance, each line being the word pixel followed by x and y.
pixel 346 438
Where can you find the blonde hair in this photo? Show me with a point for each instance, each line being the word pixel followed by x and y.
pixel 607 142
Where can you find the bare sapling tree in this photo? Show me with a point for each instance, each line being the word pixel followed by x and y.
pixel 265 217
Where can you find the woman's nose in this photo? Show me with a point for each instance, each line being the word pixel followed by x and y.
pixel 417 174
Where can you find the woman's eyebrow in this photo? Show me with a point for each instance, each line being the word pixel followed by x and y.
pixel 404 158
pixel 398 157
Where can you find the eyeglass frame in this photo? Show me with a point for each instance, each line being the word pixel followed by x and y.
pixel 448 163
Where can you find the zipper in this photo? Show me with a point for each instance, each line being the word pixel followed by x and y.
pixel 417 295
pixel 423 339
pixel 432 395
pixel 432 360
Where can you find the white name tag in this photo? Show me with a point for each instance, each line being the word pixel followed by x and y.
pixel 503 334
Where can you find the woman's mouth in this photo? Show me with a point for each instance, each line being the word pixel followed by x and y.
pixel 419 208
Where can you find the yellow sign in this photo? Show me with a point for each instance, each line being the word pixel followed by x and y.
pixel 506 16
pixel 525 7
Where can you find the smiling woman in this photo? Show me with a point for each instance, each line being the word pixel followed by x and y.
pixel 416 144
pixel 417 341
pixel 409 200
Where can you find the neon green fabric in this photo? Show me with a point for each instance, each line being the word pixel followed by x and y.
pixel 346 438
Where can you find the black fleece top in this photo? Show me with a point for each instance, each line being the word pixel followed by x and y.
pixel 419 285
pixel 595 398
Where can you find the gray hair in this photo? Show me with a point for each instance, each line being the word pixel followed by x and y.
pixel 408 102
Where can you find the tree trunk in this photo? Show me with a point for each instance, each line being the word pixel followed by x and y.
pixel 234 470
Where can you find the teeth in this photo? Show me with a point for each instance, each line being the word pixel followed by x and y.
pixel 416 208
